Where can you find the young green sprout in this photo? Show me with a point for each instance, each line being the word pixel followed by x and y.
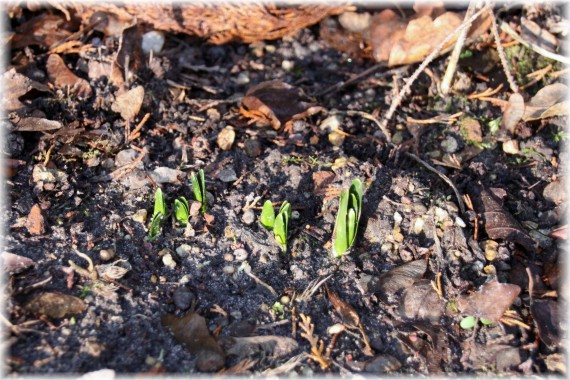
pixel 181 210
pixel 347 218
pixel 470 321
pixel 199 189
pixel 158 214
pixel 279 224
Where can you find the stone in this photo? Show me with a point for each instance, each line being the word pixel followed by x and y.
pixel 183 297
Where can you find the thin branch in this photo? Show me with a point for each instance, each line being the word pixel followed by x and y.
pixel 501 51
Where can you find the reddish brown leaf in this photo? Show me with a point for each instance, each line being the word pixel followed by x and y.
pixel 346 312
pixel 55 305
pixel 192 331
pixel 499 223
pixel 490 301
pixel 322 179
pixel 62 77
pixel 130 53
pixel 35 221
pixel 275 103
pixel 16 86
pixel 129 104
pixel 43 30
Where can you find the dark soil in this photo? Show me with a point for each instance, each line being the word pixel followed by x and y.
pixel 409 213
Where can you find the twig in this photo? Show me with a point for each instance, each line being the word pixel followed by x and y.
pixel 256 279
pixel 454 58
pixel 120 171
pixel 340 85
pixel 312 288
pixel 442 176
pixel 135 132
pixel 501 51
pixel 370 117
pixel 398 98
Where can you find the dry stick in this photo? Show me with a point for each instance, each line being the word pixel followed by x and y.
pixel 501 51
pixel 454 58
pixel 339 86
pixel 398 99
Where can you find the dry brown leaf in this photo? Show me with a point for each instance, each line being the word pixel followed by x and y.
pixel 513 113
pixel 17 85
pixel 192 331
pixel 62 77
pixel 275 103
pixel 271 346
pixel 129 104
pixel 130 54
pixel 35 124
pixel 55 305
pixel 35 221
pixel 346 312
pixel 321 180
pixel 545 99
pixel 386 29
pixel 534 34
pixel 490 301
pixel 14 264
pixel 43 30
pixel 106 69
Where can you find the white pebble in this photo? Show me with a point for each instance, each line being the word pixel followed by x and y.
pixel 228 257
pixel 459 222
pixel 168 261
pixel 107 254
pixel 229 269
pixel 397 218
pixel 240 254
pixel 153 40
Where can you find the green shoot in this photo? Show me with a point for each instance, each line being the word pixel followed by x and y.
pixel 347 219
pixel 470 321
pixel 158 214
pixel 199 189
pixel 267 217
pixel 181 210
pixel 281 226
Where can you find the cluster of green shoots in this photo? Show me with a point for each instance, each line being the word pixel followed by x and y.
pixel 181 208
pixel 346 225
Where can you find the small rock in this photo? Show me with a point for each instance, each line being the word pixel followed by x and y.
pixel 240 254
pixel 459 222
pixel 129 104
pixel 287 65
pixel 555 192
pixel 331 123
pixel 228 257
pixel 168 261
pixel 107 254
pixel 184 250
pixel 163 252
pixel 213 114
pixel 153 41
pixel 285 300
pixel 226 138
pixel 511 147
pixel 355 22
pixel 125 157
pixel 183 297
pixel 397 218
pixel 449 145
pixel 140 216
pixel 252 147
pixel 164 174
pixel 227 175
pixel 440 214
pixel 48 175
pixel 242 78
pixel 418 225
pixel 491 250
pixel 248 217
pixel 382 364
pixel 295 215
pixel 336 138
pixel 229 269
pixel 35 222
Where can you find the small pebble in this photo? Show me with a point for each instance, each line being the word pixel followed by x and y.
pixel 252 147
pixel 168 261
pixel 153 41
pixel 140 216
pixel 242 78
pixel 229 269
pixel 287 65
pixel 226 138
pixel 240 254
pixel 491 250
pixel 184 279
pixel 228 257
pixel 459 222
pixel 107 254
pixel 227 175
pixel 511 147
pixel 440 214
pixel 331 123
pixel 336 138
pixel 183 297
pixel 397 218
pixel 449 145
pixel 184 250
pixel 248 217
pixel 295 215
pixel 418 225
pixel 163 252
pixel 285 300
pixel 213 114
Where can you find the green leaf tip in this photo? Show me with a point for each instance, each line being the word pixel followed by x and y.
pixel 199 189
pixel 181 210
pixel 281 225
pixel 267 217
pixel 347 219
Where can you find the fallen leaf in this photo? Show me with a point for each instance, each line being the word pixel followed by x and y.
pixel 55 305
pixel 275 103
pixel 35 221
pixel 192 331
pixel 35 124
pixel 499 223
pixel 513 112
pixel 17 85
pixel 130 54
pixel 44 30
pixel 346 312
pixel 272 346
pixel 14 264
pixel 420 302
pixel 532 33
pixel 129 104
pixel 552 96
pixel 386 29
pixel 109 70
pixel 490 301
pixel 544 311
pixel 62 77
pixel 397 279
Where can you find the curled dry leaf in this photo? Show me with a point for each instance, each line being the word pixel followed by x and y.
pixel 346 312
pixel 395 280
pixel 35 221
pixel 62 77
pixel 513 113
pixel 17 85
pixel 490 301
pixel 130 54
pixel 499 223
pixel 549 101
pixel 35 124
pixel 192 331
pixel 276 103
pixel 129 104
pixel 55 305
pixel 14 264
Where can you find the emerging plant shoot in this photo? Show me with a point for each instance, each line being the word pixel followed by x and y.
pixel 347 219
pixel 199 189
pixel 181 210
pixel 279 224
pixel 158 214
